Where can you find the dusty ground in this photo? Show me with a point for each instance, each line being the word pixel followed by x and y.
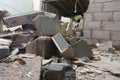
pixel 16 71
pixel 105 66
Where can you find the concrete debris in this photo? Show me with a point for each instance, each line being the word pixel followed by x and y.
pixel 46 62
pixel 15 28
pixel 21 19
pixel 45 26
pixel 20 58
pixel 111 50
pixel 104 46
pixel 15 51
pixel 81 49
pixel 5 42
pixel 31 56
pixel 4 47
pixel 72 40
pixel 4 51
pixel 29 27
pixel 37 46
pixel 42 46
pixel 62 71
pixel 87 71
pixel 65 19
pixel 9 34
pixel 55 26
pixel 106 65
pixel 64 28
pixel 62 45
pixel 20 40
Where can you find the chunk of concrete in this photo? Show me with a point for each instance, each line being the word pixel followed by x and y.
pixel 71 40
pixel 104 46
pixel 15 28
pixel 7 34
pixel 64 28
pixel 4 47
pixel 58 71
pixel 5 42
pixel 42 46
pixel 45 26
pixel 82 49
pixel 20 40
pixel 4 51
pixel 21 19
pixel 62 45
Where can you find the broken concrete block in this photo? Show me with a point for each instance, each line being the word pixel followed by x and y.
pixel 21 39
pixel 46 61
pixel 62 45
pixel 15 28
pixel 104 46
pixel 64 28
pixel 7 34
pixel 81 49
pixel 45 26
pixel 111 50
pixel 58 71
pixel 21 19
pixel 4 51
pixel 5 42
pixel 42 46
pixel 71 40
pixel 65 19
pixel 29 27
pixel 4 47
pixel 15 51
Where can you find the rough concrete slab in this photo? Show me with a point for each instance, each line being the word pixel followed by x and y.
pixel 64 28
pixel 21 19
pixel 81 49
pixel 71 40
pixel 45 26
pixel 4 47
pixel 63 46
pixel 42 46
pixel 5 42
pixel 58 71
pixel 4 51
pixel 20 41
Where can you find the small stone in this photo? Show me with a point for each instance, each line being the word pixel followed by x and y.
pixel 93 74
pixel 99 71
pixel 84 70
pixel 111 50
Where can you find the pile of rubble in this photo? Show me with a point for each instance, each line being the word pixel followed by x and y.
pixel 40 33
pixel 40 47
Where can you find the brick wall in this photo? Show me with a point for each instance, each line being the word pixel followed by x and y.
pixel 102 21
